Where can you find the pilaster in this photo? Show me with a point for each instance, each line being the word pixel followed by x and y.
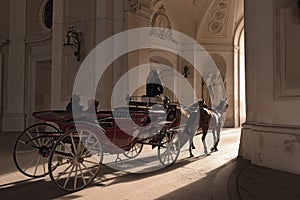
pixel 13 115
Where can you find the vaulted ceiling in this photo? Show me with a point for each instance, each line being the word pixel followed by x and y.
pixel 207 21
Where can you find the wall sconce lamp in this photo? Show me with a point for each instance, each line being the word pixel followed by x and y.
pixel 186 71
pixel 73 43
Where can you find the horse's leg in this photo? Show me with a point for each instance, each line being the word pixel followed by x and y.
pixel 191 146
pixel 214 137
pixel 203 140
pixel 218 139
pixel 192 143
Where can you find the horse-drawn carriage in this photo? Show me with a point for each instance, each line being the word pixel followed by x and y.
pixel 71 152
pixel 73 155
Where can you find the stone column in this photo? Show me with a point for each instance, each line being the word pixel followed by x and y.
pixel 120 66
pixel 270 137
pixel 57 55
pixel 13 113
pixel 104 29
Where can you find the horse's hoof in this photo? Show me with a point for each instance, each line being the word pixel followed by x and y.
pixel 191 155
pixel 214 149
pixel 193 147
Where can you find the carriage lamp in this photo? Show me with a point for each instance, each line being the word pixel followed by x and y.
pixel 72 44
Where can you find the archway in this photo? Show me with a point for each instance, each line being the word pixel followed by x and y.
pixel 239 74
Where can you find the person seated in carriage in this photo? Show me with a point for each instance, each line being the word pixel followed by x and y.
pixel 92 106
pixel 154 85
pixel 74 104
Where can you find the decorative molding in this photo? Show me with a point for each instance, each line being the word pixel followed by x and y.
pixel 154 3
pixel 217 19
pixel 272 128
pixel 161 26
pixel 219 47
pixel 38 38
pixel 140 8
pixel 3 42
pixel 282 91
pixel 134 5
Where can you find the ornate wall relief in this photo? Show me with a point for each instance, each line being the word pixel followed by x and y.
pixel 286 49
pixel 134 5
pixel 217 19
pixel 161 26
pixel 215 86
pixel 154 2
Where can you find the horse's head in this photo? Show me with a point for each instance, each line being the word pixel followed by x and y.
pixel 223 106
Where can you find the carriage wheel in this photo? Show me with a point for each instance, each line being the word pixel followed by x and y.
pixel 33 147
pixel 169 148
pixel 77 157
pixel 134 151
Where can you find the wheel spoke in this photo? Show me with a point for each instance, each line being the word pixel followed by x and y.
pixel 22 142
pixel 64 172
pixel 89 137
pixel 44 168
pixel 36 166
pixel 29 164
pixel 26 152
pixel 165 156
pixel 91 162
pixel 83 151
pixel 67 147
pixel 79 144
pixel 75 177
pixel 30 136
pixel 67 180
pixel 82 175
pixel 63 156
pixel 38 135
pixel 47 142
pixel 88 169
pixel 93 145
pixel 73 143
pixel 171 156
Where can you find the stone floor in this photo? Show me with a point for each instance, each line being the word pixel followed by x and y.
pixel 240 180
pixel 228 177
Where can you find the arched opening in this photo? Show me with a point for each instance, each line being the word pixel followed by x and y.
pixel 239 79
pixel 242 82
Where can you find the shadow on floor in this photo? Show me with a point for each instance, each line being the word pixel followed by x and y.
pixel 240 180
